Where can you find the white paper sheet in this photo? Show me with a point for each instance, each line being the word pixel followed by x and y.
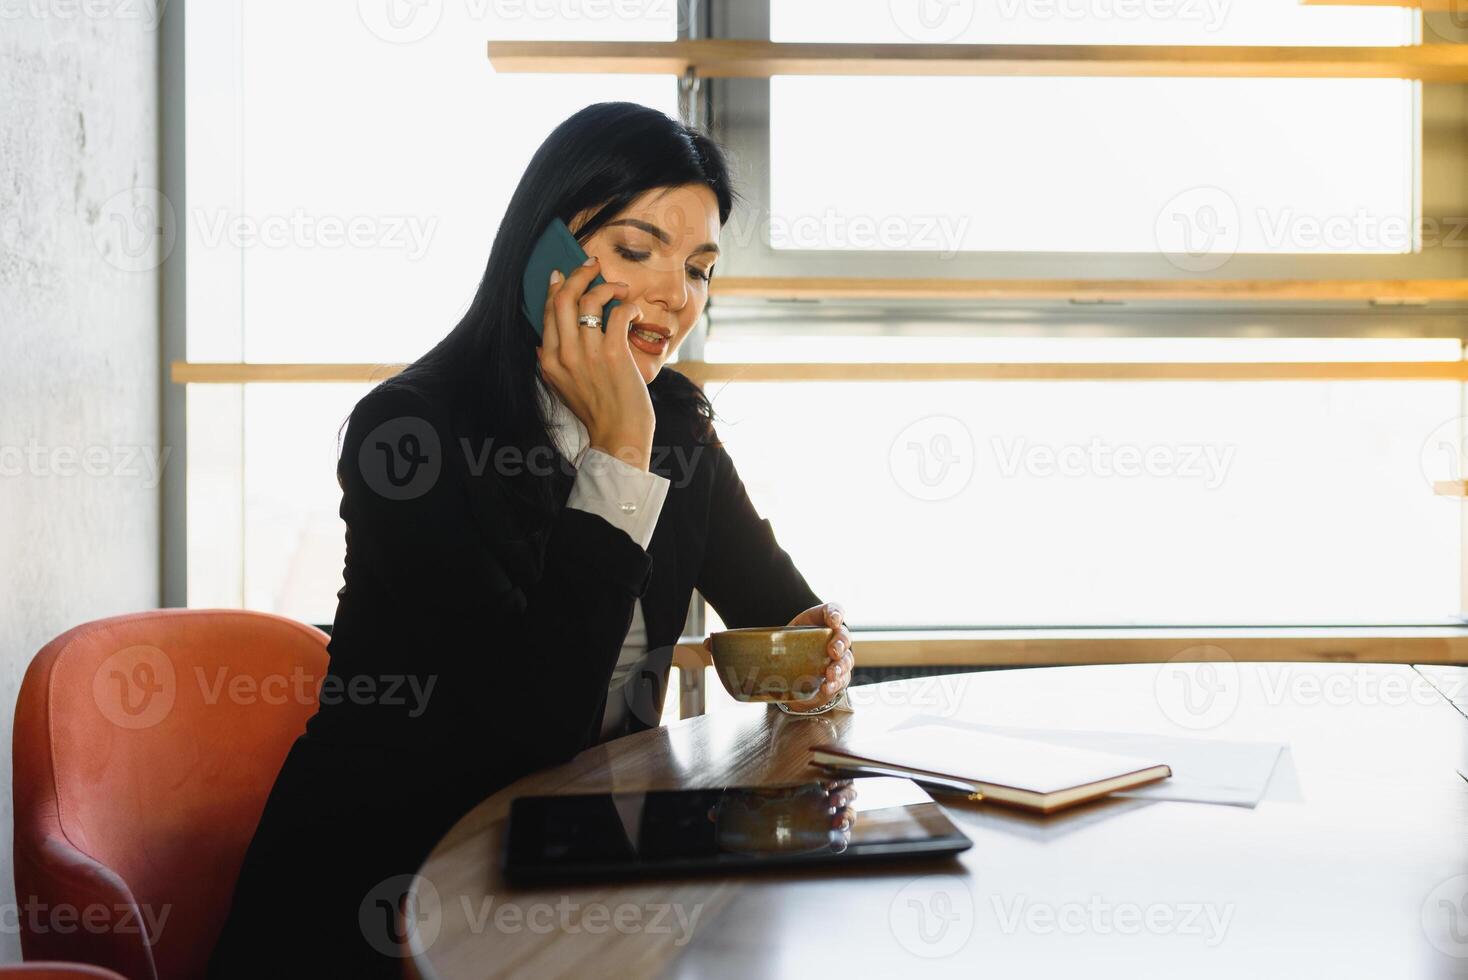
pixel 1204 770
pixel 881 792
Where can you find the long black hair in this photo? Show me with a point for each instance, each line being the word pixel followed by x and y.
pixel 604 156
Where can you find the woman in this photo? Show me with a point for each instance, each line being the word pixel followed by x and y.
pixel 525 526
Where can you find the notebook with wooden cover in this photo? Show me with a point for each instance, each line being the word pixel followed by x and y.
pixel 1015 771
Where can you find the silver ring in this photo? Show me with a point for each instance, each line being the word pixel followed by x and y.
pixel 589 320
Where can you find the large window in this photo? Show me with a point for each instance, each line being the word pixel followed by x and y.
pixel 347 175
pixel 1182 165
pixel 1209 166
pixel 1109 503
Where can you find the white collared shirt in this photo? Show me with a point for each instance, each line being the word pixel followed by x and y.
pixel 628 498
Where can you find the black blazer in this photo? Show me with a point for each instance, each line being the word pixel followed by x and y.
pixel 471 647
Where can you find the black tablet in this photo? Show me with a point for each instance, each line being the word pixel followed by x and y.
pixel 830 821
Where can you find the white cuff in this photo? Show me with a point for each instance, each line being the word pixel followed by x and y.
pixel 627 497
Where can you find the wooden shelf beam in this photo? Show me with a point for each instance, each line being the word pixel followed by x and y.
pixel 724 58
pixel 1384 291
pixel 233 373
pixel 704 372
pixel 1052 647
pixel 713 372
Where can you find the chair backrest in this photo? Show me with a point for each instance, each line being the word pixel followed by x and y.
pixel 144 749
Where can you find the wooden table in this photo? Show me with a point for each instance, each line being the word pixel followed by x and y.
pixel 1354 865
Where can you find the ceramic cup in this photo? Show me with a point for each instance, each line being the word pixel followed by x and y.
pixel 772 663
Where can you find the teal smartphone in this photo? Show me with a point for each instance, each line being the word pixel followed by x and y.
pixel 556 248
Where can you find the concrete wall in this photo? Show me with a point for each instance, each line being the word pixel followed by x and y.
pixel 79 336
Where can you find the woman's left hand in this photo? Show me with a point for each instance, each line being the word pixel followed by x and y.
pixel 838 671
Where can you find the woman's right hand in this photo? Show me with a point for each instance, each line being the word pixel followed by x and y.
pixel 592 370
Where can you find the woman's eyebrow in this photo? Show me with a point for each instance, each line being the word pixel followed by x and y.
pixel 661 235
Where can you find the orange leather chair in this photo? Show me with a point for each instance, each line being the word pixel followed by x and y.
pixel 145 746
pixel 56 971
